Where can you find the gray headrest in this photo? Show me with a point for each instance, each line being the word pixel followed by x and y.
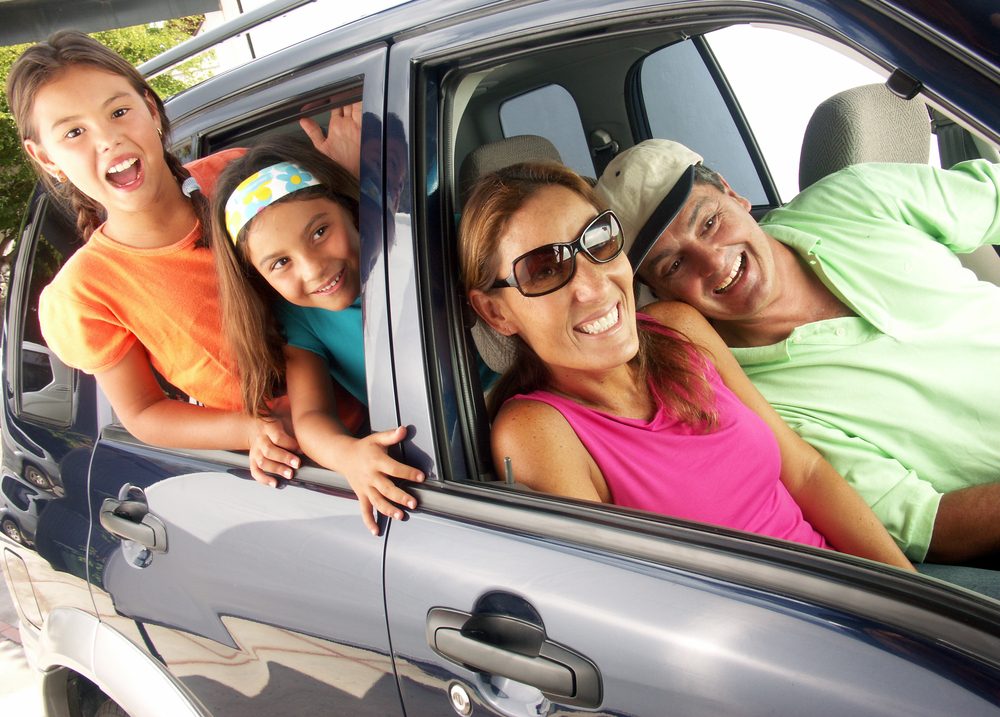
pixel 503 153
pixel 497 350
pixel 863 124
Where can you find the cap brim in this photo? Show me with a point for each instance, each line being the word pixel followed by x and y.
pixel 660 219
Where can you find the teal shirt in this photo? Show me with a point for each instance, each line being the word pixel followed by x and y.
pixel 336 336
pixel 903 399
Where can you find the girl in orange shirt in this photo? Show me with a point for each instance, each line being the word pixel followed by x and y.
pixel 142 294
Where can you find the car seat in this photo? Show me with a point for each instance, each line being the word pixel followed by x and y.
pixel 871 124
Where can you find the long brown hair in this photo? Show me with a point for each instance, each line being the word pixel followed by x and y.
pixel 665 357
pixel 43 62
pixel 248 319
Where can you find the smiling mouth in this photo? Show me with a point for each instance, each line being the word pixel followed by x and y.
pixel 124 173
pixel 602 324
pixel 734 275
pixel 331 285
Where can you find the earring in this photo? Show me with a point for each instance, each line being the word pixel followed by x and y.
pixel 159 132
pixel 60 177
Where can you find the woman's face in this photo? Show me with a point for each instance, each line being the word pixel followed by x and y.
pixel 308 251
pixel 588 324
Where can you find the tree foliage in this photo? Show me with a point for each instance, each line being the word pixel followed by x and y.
pixel 136 44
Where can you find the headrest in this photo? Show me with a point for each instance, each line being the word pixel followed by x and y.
pixel 863 124
pixel 503 153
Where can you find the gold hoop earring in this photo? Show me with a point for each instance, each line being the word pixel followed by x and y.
pixel 60 177
pixel 159 132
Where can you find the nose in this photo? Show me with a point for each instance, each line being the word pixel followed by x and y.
pixel 311 267
pixel 107 136
pixel 708 259
pixel 590 279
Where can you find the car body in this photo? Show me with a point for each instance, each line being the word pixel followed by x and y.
pixel 171 583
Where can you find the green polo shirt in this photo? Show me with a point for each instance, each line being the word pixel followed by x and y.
pixel 904 398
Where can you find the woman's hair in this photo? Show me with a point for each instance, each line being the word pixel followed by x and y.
pixel 665 356
pixel 44 62
pixel 248 320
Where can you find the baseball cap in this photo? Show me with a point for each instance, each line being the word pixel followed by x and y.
pixel 646 185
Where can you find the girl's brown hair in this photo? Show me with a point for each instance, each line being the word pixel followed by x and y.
pixel 250 326
pixel 42 63
pixel 666 357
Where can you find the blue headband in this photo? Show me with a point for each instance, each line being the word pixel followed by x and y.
pixel 260 190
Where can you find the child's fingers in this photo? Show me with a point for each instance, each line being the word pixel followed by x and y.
pixel 274 467
pixel 276 434
pixel 312 130
pixel 390 491
pixel 277 460
pixel 392 467
pixel 367 516
pixel 384 507
pixel 390 437
pixel 261 477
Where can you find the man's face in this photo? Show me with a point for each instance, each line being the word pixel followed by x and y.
pixel 714 257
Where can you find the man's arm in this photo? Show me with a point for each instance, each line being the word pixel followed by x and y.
pixel 967 524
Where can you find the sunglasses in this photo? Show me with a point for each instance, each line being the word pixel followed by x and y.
pixel 550 267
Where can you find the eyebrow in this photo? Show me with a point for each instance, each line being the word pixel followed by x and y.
pixel 73 118
pixel 308 228
pixel 653 260
pixel 696 212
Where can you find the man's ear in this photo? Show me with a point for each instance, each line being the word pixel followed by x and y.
pixel 37 152
pixel 492 311
pixel 740 199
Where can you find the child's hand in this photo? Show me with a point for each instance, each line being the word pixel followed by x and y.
pixel 271 447
pixel 342 141
pixel 368 469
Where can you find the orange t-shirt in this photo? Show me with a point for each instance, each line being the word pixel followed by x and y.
pixel 109 295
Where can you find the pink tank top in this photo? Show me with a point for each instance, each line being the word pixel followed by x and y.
pixel 728 477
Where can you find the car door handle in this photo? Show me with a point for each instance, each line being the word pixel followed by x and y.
pixel 131 520
pixel 516 649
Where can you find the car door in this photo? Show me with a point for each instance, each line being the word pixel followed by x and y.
pixel 505 602
pixel 48 429
pixel 258 601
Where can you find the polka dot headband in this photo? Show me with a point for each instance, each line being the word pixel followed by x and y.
pixel 260 190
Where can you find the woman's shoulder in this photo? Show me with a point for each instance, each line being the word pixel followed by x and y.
pixel 525 419
pixel 676 315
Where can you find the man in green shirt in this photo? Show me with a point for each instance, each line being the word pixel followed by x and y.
pixel 851 313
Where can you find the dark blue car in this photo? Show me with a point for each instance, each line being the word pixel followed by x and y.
pixel 169 583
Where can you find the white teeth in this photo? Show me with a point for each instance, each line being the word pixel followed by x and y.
pixel 327 287
pixel 602 324
pixel 732 274
pixel 122 166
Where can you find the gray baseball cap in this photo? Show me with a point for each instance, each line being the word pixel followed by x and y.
pixel 646 185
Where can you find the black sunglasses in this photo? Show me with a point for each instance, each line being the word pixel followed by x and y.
pixel 550 267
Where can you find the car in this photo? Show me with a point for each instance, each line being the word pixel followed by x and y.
pixel 167 582
pixel 20 506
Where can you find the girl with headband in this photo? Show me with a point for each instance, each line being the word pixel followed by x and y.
pixel 140 297
pixel 286 243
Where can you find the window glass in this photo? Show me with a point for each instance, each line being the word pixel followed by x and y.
pixel 552 113
pixel 46 383
pixel 683 103
pixel 779 78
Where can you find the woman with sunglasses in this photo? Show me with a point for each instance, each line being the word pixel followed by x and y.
pixel 605 404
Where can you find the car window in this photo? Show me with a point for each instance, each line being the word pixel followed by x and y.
pixel 552 113
pixel 779 77
pixel 682 102
pixel 45 387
